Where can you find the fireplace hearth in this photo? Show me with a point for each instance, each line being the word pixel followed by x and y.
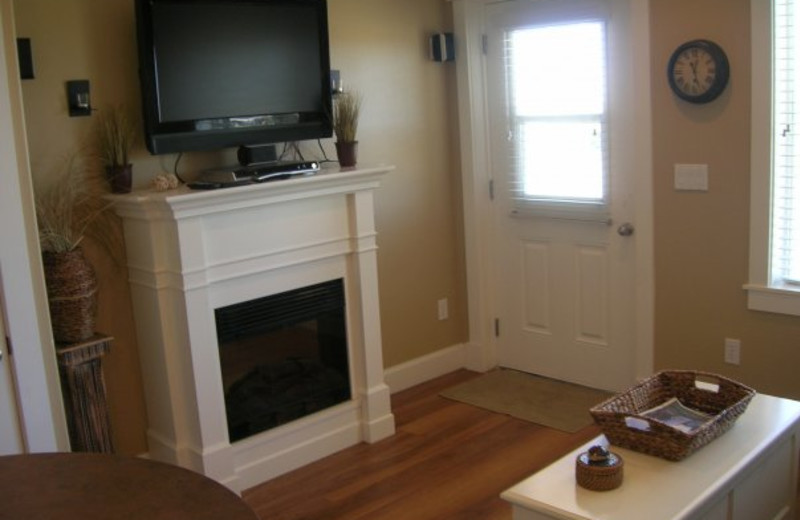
pixel 230 393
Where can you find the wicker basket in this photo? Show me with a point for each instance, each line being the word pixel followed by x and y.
pixel 72 295
pixel 725 404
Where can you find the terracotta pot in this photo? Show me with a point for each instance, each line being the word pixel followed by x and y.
pixel 72 295
pixel 346 153
pixel 120 178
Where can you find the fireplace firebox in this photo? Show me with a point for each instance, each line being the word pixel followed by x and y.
pixel 283 357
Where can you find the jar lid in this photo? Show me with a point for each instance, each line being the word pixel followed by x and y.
pixel 612 460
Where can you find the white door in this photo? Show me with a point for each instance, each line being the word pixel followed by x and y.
pixel 560 78
pixel 10 435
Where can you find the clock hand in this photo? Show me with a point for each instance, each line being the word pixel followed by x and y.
pixel 694 72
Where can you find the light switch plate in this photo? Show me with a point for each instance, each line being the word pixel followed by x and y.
pixel 691 177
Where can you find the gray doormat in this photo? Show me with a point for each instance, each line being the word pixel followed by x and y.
pixel 551 403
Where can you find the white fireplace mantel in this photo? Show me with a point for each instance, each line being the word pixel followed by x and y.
pixel 190 252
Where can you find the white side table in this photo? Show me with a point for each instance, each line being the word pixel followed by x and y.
pixel 749 473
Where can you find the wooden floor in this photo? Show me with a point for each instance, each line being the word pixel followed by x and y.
pixel 448 460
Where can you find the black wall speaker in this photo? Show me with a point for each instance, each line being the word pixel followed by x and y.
pixel 442 48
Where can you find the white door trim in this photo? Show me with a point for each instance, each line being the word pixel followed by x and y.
pixel 469 25
pixel 40 407
pixel 468 19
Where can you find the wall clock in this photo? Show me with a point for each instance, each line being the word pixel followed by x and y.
pixel 698 71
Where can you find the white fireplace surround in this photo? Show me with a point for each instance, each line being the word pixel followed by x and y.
pixel 190 252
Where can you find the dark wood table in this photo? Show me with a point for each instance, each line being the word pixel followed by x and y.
pixel 90 486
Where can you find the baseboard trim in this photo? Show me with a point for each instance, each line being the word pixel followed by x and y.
pixel 425 368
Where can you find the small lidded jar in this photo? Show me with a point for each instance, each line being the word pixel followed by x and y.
pixel 599 469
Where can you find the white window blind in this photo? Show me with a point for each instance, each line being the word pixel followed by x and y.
pixel 556 77
pixel 785 221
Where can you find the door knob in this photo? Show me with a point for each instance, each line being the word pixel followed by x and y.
pixel 625 230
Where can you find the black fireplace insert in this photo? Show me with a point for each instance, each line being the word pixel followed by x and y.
pixel 283 357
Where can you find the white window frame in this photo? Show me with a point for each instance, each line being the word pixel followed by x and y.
pixel 762 295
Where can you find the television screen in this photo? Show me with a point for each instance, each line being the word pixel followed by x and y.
pixel 222 73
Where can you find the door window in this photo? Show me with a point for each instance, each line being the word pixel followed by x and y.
pixel 556 105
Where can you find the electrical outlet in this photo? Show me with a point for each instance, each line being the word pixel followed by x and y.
pixel 442 309
pixel 733 351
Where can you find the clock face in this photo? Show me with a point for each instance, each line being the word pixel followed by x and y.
pixel 698 71
pixel 694 71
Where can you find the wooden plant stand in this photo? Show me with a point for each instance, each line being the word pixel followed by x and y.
pixel 84 390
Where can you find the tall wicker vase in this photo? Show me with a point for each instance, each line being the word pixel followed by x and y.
pixel 72 293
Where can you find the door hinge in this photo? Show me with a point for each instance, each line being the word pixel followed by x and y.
pixel 485 44
pixel 497 327
pixel 491 189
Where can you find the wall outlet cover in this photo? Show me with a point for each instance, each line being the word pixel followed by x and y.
pixel 691 177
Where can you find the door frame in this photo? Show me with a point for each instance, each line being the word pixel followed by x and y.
pixel 33 359
pixel 10 431
pixel 469 28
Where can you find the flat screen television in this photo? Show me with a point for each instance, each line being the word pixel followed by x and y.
pixel 223 73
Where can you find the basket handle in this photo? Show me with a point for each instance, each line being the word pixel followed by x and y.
pixel 637 423
pixel 707 383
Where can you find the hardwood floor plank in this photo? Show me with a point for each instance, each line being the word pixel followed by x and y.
pixel 447 460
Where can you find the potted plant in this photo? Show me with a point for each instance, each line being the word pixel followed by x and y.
pixel 115 139
pixel 69 207
pixel 346 109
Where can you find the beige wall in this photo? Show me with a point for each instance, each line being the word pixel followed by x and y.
pixel 380 46
pixel 409 121
pixel 701 239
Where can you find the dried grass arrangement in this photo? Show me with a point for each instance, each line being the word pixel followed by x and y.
pixel 70 206
pixel 346 111
pixel 115 137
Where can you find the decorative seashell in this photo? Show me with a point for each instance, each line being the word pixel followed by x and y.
pixel 160 183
